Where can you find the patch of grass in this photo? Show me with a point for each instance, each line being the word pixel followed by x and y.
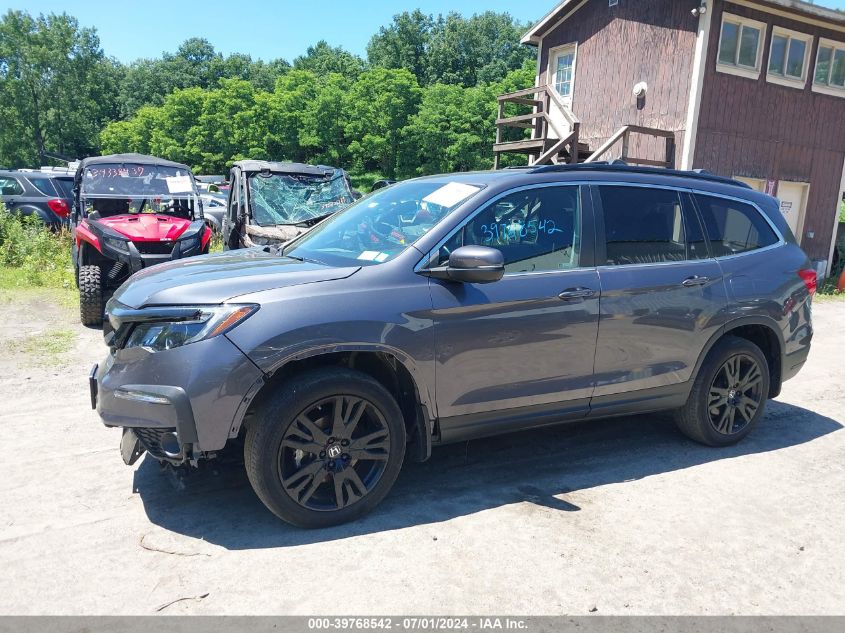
pixel 363 182
pixel 827 291
pixel 216 245
pixel 32 256
pixel 47 347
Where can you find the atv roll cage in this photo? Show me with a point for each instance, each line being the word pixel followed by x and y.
pixel 106 186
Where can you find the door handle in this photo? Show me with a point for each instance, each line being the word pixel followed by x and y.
pixel 574 294
pixel 695 280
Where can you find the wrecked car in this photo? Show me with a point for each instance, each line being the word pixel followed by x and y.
pixel 272 203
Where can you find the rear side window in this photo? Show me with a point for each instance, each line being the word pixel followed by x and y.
pixel 10 187
pixel 648 226
pixel 44 186
pixel 733 227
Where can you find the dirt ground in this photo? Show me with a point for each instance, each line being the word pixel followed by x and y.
pixel 613 517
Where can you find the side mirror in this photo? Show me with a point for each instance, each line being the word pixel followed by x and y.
pixel 472 265
pixel 356 195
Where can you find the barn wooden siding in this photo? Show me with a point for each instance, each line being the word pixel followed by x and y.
pixel 618 47
pixel 761 130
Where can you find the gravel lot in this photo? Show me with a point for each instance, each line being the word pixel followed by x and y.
pixel 612 517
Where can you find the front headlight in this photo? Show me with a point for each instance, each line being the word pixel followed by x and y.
pixel 116 244
pixel 203 323
pixel 192 242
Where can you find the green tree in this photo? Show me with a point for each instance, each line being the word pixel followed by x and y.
pixel 287 111
pixel 231 127
pixel 323 137
pixel 452 49
pixel 480 49
pixel 56 88
pixel 403 44
pixel 380 104
pixel 322 59
pixel 194 65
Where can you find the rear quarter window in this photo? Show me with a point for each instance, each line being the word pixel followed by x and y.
pixel 64 186
pixel 733 227
pixel 44 186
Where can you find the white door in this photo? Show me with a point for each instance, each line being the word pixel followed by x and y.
pixel 561 75
pixel 793 201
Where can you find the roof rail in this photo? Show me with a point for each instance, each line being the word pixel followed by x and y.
pixel 621 166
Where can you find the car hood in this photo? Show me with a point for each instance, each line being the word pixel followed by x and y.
pixel 211 279
pixel 146 226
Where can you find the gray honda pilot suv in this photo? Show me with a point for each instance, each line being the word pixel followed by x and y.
pixel 451 307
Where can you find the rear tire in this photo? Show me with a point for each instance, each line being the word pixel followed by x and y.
pixel 729 394
pixel 90 296
pixel 325 448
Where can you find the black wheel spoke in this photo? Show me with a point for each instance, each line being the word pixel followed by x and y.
pixel 316 432
pixel 751 379
pixel 747 407
pixel 304 481
pixel 375 446
pixel 348 487
pixel 347 413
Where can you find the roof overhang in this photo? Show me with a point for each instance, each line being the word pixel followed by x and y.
pixel 563 10
pixel 834 15
pixel 554 17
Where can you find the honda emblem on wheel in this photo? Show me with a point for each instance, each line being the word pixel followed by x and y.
pixel 333 451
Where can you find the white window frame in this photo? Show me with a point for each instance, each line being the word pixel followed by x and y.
pixel 789 80
pixel 736 69
pixel 551 68
pixel 826 89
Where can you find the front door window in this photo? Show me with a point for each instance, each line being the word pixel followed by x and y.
pixel 563 68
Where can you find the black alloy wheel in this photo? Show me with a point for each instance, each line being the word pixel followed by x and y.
pixel 325 446
pixel 728 396
pixel 735 394
pixel 334 452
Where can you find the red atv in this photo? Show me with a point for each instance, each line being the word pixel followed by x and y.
pixel 130 211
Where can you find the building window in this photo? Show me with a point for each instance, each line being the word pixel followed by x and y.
pixel 788 57
pixel 563 71
pixel 829 77
pixel 740 46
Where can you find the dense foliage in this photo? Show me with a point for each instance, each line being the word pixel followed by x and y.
pixel 422 101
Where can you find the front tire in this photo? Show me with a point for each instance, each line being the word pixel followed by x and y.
pixel 325 448
pixel 729 394
pixel 90 295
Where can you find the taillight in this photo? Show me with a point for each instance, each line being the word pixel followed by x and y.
pixel 808 275
pixel 59 207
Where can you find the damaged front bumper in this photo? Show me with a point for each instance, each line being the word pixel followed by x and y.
pixel 180 405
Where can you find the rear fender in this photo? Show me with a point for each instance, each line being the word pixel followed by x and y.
pixel 732 325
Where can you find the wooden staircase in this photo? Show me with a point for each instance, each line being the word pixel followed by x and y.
pixel 550 145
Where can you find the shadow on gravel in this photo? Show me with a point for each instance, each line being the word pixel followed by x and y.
pixel 541 467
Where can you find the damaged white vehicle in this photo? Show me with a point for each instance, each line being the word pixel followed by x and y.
pixel 272 203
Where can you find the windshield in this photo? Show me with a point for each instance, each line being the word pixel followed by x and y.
pixel 379 227
pixel 293 198
pixel 110 190
pixel 136 181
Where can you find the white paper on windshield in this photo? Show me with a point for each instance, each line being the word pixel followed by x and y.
pixel 368 256
pixel 179 184
pixel 381 257
pixel 450 194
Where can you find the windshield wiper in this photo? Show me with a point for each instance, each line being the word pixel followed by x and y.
pixel 312 221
